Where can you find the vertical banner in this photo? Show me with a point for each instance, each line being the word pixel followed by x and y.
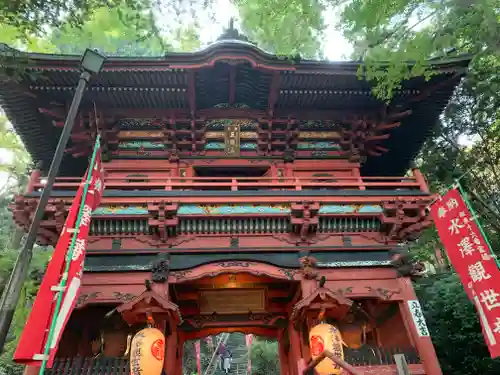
pixel 197 349
pixel 470 256
pixel 77 258
pixel 48 318
pixel 248 341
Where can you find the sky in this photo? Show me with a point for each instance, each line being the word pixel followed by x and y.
pixel 335 46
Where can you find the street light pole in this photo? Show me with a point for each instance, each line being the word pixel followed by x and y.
pixel 12 291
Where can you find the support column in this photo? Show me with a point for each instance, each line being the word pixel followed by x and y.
pixel 283 350
pixel 170 364
pixel 31 370
pixel 180 352
pixel 424 344
pixel 295 353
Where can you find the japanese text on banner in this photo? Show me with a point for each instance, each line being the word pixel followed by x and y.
pixel 470 256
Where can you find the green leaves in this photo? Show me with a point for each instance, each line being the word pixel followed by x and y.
pixel 284 27
pixel 453 323
pixel 265 357
pixel 28 293
pixel 117 31
pixel 416 30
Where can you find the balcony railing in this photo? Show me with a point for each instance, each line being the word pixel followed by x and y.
pixel 246 183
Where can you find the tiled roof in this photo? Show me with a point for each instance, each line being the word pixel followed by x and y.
pixel 162 83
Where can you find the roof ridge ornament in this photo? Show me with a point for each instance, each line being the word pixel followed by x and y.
pixel 231 33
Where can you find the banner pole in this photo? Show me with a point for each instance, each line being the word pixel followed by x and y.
pixel 476 219
pixel 69 255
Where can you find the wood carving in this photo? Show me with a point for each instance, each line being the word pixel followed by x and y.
pixel 149 302
pixel 321 299
pixel 308 267
pixel 160 268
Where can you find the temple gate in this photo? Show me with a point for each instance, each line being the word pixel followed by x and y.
pixel 244 193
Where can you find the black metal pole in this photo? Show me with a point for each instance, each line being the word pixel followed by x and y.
pixel 12 291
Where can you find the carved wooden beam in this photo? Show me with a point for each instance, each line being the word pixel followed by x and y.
pixel 429 90
pixel 280 115
pixel 57 113
pixel 397 115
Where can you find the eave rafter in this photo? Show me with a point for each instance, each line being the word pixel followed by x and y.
pixel 273 93
pixel 191 93
pixel 232 85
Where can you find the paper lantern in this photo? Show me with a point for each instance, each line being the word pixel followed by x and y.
pixel 147 352
pixel 326 337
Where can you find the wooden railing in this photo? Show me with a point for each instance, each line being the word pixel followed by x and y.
pixel 245 183
pixel 372 355
pixel 368 356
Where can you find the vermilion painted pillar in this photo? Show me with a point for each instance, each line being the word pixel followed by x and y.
pixel 31 370
pixel 308 287
pixel 283 354
pixel 294 354
pixel 424 344
pixel 170 363
pixel 180 356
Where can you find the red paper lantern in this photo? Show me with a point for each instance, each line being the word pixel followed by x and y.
pixel 147 352
pixel 326 337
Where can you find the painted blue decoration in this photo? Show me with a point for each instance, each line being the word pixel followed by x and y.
pixel 120 210
pixel 222 146
pixel 347 209
pixel 193 209
pixel 318 125
pixel 132 145
pixel 221 123
pixel 132 123
pixel 318 146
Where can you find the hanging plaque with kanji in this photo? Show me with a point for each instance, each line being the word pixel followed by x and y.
pixel 232 139
pixel 470 256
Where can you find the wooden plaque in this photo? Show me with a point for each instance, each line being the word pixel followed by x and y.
pixel 232 301
pixel 232 139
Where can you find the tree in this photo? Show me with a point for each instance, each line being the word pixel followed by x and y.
pixel 284 27
pixel 15 160
pixel 15 167
pixel 464 143
pixel 189 362
pixel 112 31
pixel 453 323
pixel 264 356
pixel 416 30
pixel 32 17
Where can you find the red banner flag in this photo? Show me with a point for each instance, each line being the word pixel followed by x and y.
pixel 197 348
pixel 470 256
pixel 248 342
pixel 31 346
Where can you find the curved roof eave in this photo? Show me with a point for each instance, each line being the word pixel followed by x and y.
pixel 221 50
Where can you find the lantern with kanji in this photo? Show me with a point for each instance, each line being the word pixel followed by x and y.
pixel 147 352
pixel 326 337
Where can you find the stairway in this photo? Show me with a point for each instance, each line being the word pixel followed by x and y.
pixel 236 344
pixel 214 360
